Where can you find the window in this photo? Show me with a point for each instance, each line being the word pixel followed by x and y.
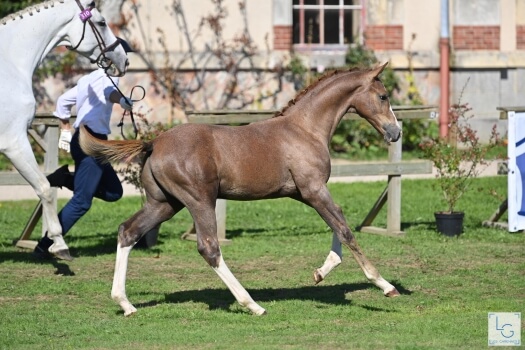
pixel 326 23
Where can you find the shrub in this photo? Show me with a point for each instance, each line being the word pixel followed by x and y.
pixel 460 158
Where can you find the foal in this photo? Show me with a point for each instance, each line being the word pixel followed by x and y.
pixel 192 165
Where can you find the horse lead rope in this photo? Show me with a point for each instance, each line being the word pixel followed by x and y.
pixel 121 123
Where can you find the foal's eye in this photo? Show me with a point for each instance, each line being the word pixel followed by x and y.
pixel 383 97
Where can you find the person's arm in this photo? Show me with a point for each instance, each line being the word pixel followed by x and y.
pixel 63 111
pixel 64 124
pixel 65 103
pixel 116 97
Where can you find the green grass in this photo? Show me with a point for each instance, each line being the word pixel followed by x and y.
pixel 448 285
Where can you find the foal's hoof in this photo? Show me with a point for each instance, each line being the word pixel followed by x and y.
pixel 130 312
pixel 63 255
pixel 392 293
pixel 318 278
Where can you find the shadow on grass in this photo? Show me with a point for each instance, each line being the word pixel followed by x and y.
pixel 422 225
pixel 223 299
pixel 105 244
pixel 62 267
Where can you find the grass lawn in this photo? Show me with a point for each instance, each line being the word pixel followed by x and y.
pixel 448 285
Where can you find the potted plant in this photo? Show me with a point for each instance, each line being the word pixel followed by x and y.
pixel 458 159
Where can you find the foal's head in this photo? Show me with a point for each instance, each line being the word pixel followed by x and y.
pixel 371 103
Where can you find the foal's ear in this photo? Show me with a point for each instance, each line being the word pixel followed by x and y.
pixel 378 70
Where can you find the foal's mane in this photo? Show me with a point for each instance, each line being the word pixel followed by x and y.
pixel 312 86
pixel 29 10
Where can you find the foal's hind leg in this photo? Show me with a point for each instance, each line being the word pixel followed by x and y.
pixel 24 161
pixel 321 200
pixel 208 247
pixel 129 233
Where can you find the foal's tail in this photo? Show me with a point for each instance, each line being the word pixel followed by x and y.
pixel 112 150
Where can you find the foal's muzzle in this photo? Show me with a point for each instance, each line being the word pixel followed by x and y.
pixel 392 132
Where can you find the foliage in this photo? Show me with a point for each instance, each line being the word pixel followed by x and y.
pixel 57 61
pixel 276 244
pixel 232 59
pixel 8 7
pixel 460 158
pixel 298 71
pixel 356 139
pixel 360 56
pixel 353 138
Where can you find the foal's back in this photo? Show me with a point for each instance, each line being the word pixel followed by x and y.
pixel 255 161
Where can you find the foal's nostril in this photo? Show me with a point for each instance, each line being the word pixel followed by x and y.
pixel 393 132
pixel 127 62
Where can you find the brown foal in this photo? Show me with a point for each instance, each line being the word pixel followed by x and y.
pixel 192 165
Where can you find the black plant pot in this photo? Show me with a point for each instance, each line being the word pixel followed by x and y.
pixel 449 224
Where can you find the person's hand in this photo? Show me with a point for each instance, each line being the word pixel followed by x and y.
pixel 65 140
pixel 126 103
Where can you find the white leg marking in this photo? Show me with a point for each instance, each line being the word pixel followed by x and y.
pixel 333 259
pixel 118 291
pixel 388 289
pixel 237 289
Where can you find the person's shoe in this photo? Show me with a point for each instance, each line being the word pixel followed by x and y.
pixel 41 251
pixel 61 178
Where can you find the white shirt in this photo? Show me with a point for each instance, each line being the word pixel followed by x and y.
pixel 91 97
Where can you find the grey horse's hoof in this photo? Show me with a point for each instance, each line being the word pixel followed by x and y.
pixel 63 255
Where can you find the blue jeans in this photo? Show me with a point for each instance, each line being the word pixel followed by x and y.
pixel 92 179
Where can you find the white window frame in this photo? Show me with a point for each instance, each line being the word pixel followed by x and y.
pixel 321 7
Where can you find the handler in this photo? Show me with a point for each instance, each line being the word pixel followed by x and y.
pixel 94 96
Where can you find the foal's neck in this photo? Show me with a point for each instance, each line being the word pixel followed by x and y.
pixel 321 109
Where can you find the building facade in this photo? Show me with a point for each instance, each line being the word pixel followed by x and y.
pixel 234 54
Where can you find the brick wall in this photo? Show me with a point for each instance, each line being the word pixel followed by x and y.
pixel 520 37
pixel 476 37
pixel 384 37
pixel 282 37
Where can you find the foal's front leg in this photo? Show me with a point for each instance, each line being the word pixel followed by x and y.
pixel 322 201
pixel 208 247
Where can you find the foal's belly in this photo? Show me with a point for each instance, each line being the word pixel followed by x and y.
pixel 255 184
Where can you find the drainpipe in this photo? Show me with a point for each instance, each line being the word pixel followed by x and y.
pixel 362 27
pixel 444 45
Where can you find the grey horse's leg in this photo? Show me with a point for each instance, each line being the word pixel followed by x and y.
pixel 24 161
